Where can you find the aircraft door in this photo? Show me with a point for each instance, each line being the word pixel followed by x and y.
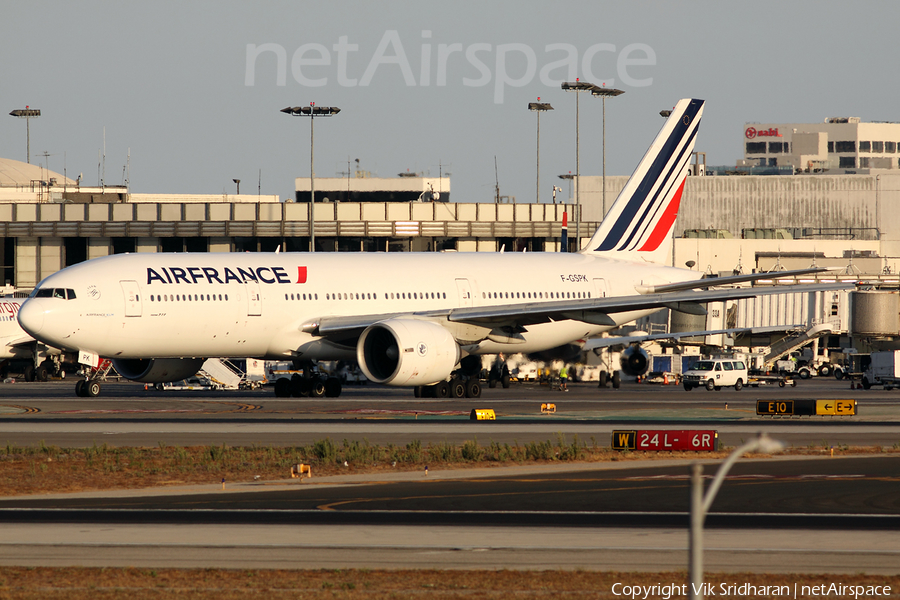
pixel 254 301
pixel 132 294
pixel 465 292
pixel 601 287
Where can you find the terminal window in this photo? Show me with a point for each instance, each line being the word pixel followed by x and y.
pixel 878 147
pixel 778 147
pixel 890 147
pixel 845 146
pixel 865 146
pixel 831 146
pixel 847 162
pixel 756 147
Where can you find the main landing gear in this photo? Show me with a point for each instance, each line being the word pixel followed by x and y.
pixel 299 386
pixel 615 379
pixel 455 388
pixel 307 384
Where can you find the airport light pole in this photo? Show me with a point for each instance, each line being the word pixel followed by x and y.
pixel 312 111
pixel 539 107
pixel 27 113
pixel 700 504
pixel 578 86
pixel 604 93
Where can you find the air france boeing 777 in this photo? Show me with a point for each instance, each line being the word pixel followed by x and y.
pixel 408 319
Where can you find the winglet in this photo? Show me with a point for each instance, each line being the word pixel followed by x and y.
pixel 643 215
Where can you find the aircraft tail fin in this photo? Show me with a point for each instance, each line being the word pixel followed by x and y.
pixel 642 218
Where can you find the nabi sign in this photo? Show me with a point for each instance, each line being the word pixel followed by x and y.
pixel 752 132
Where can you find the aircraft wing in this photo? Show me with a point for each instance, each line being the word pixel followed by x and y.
pixel 708 282
pixel 605 342
pixel 597 310
pixel 593 310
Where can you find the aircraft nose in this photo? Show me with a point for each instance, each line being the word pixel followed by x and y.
pixel 31 316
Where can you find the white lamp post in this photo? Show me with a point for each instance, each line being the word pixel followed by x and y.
pixel 700 503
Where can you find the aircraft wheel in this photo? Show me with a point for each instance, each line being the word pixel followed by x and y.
pixel 28 374
pixel 92 388
pixel 492 383
pixel 333 387
pixel 299 386
pixel 79 388
pixel 441 389
pixel 282 387
pixel 417 391
pixel 604 379
pixel 316 388
pixel 710 385
pixel 504 379
pixel 473 388
pixel 616 380
pixel 457 388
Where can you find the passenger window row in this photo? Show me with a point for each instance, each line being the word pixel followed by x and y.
pixel 536 295
pixel 186 297
pixel 390 296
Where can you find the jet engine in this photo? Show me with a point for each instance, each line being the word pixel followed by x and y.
pixel 407 352
pixel 634 361
pixel 157 370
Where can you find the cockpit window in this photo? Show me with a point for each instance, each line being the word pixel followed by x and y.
pixel 63 293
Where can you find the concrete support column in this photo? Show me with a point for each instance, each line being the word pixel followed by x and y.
pixel 51 253
pixel 147 244
pixel 219 244
pixel 27 262
pixel 98 247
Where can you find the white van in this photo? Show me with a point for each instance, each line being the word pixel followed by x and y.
pixel 716 373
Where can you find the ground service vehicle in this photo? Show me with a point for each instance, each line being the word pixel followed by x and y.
pixel 716 373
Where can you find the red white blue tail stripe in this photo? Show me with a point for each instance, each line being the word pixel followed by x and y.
pixel 643 215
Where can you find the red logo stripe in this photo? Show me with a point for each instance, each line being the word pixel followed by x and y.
pixel 301 274
pixel 665 223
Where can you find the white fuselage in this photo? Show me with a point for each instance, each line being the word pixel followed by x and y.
pixel 262 304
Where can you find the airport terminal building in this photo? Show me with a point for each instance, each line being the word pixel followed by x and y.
pixel 755 221
pixel 837 145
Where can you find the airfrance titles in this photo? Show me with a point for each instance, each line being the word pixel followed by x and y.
pixel 223 275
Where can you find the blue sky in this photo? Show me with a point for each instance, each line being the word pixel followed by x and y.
pixel 194 89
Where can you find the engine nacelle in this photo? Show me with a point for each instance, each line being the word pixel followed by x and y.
pixel 634 361
pixel 157 370
pixel 407 352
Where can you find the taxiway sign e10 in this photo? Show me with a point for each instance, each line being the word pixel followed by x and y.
pixel 666 439
pixel 806 407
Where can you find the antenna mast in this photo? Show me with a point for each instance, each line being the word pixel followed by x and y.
pixel 496 182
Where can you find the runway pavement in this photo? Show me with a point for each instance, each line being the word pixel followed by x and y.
pixel 782 515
